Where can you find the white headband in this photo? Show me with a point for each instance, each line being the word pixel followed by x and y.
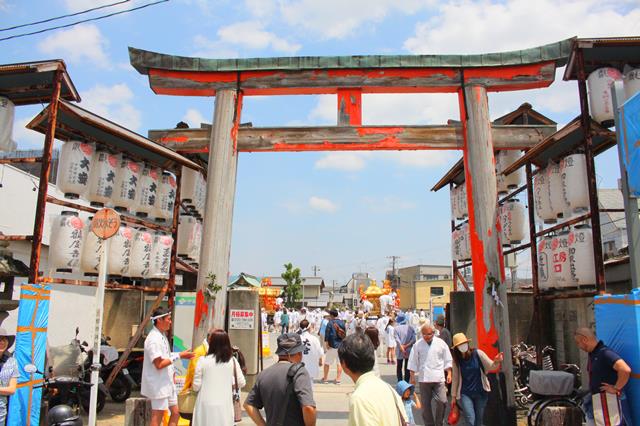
pixel 160 316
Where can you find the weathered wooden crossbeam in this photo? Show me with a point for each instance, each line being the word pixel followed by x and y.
pixel 352 138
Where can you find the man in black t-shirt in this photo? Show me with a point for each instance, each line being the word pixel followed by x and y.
pixel 608 372
pixel 270 390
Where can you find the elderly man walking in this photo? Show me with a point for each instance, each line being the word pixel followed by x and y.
pixel 431 361
pixel 405 338
pixel 373 402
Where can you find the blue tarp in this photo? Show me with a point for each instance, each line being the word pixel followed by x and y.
pixel 629 117
pixel 618 326
pixel 31 344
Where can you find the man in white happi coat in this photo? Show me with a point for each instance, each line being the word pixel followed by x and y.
pixel 312 352
pixel 158 371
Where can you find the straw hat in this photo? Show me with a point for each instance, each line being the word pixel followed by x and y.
pixel 459 338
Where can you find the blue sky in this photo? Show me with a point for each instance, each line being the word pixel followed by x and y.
pixel 344 212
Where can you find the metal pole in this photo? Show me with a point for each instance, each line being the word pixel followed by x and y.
pixel 630 203
pixel 43 185
pixel 97 337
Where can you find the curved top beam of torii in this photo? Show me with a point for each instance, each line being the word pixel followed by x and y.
pixel 515 70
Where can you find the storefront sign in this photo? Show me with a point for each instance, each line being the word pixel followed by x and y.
pixel 242 319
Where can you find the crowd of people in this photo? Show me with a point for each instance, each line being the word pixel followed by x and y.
pixel 433 369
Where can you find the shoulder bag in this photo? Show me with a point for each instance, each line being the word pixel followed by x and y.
pixel 606 409
pixel 235 392
pixel 291 372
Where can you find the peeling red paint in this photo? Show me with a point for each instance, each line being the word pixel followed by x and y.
pixel 364 131
pixel 487 339
pixel 174 139
pixel 352 101
pixel 236 121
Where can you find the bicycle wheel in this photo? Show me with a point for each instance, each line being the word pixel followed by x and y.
pixel 554 402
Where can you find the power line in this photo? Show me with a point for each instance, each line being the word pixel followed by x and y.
pixel 83 21
pixel 64 16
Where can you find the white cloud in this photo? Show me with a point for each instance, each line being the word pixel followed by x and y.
pixel 322 204
pixel 113 103
pixel 193 117
pixel 77 44
pixel 465 27
pixel 260 8
pixel 336 19
pixel 205 48
pixel 346 161
pixel 252 35
pixel 325 111
pixel 3 5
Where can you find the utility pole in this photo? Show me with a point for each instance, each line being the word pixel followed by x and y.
pixel 315 269
pixel 395 279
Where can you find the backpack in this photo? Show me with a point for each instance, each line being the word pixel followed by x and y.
pixel 339 330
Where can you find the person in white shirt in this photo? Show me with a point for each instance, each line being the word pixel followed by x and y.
pixel 367 306
pixel 263 319
pixel 358 324
pixel 158 371
pixel 431 361
pixel 312 352
pixel 277 318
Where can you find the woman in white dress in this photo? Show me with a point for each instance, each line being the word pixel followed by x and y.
pixel 214 381
pixel 391 342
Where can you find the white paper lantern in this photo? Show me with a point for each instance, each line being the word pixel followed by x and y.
pixel 501 183
pixel 65 242
pixel 631 82
pixel 575 185
pixel 148 190
pixel 600 101
pixel 102 178
pixel 189 186
pixel 466 241
pixel 141 251
pixel 166 197
pixel 560 261
pixel 161 256
pixel 194 252
pixel 127 178
pixel 558 203
pixel 91 252
pixel 186 234
pixel 516 219
pixel 456 245
pixel 120 251
pixel 546 277
pixel 74 166
pixel 453 197
pixel 542 196
pixel 201 195
pixel 508 157
pixel 463 208
pixel 582 263
pixel 504 224
pixel 7 110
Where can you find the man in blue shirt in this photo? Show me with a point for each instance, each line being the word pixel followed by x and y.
pixel 333 336
pixel 608 372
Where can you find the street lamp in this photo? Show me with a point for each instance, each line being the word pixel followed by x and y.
pixel 431 306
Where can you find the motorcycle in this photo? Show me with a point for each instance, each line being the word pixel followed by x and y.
pixel 120 388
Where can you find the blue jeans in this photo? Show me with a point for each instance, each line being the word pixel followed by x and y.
pixel 473 407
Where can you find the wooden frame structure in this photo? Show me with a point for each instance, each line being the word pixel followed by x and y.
pixel 472 77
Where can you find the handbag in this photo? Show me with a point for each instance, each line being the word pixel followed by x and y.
pixel 235 392
pixel 606 409
pixel 454 413
pixel 187 401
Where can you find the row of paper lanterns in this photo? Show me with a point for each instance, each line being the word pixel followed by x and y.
pixel 107 179
pixel 513 220
pixel 504 158
pixel 136 253
pixel 599 83
pixel 7 113
pixel 193 191
pixel 566 259
pixel 561 189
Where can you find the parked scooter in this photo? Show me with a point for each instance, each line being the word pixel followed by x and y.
pixel 120 388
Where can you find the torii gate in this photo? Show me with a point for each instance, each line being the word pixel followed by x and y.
pixel 470 76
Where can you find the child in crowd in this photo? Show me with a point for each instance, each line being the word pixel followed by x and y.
pixel 391 342
pixel 409 399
